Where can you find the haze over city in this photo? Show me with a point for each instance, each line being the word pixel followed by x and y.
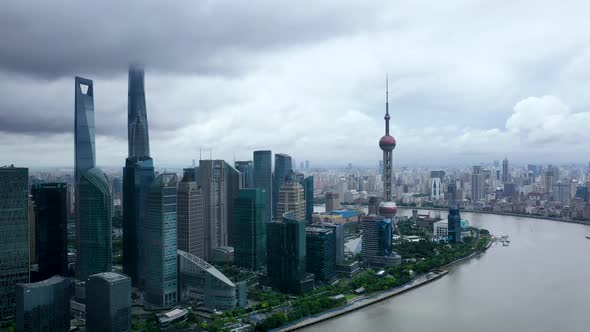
pixel 469 83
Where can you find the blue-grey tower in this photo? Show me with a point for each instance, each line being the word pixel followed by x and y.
pixel 283 166
pixel 138 174
pixel 95 206
pixel 84 150
pixel 137 124
pixel 159 235
pixel 263 178
pixel 387 143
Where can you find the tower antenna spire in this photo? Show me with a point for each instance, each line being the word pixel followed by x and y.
pixel 387 117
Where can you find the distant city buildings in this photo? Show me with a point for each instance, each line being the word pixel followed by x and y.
pixel 332 201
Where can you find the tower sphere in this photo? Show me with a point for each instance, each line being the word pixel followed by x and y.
pixel 387 143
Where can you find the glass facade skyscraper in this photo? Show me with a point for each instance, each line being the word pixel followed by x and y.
pixel 159 242
pixel 308 195
pixel 14 235
pixel 137 123
pixel 95 207
pixel 377 240
pixel 285 250
pixel 51 229
pixel 138 174
pixel 283 166
pixel 250 247
pixel 84 149
pixel 44 305
pixel 454 224
pixel 321 252
pixel 263 178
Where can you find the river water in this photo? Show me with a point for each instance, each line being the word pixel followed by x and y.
pixel 540 282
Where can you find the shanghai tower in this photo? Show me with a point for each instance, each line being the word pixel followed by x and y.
pixel 138 174
pixel 137 125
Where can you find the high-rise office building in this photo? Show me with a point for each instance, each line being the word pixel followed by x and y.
pixel 477 184
pixel 283 166
pixel 51 229
pixel 95 207
pixel 14 235
pixel 435 188
pixel 263 178
pixel 137 123
pixel 44 305
pixel 250 226
pixel 454 224
pixel 84 149
pixel 285 251
pixel 138 174
pixel 387 143
pixel 291 197
pixel 159 250
pixel 321 252
pixel 219 184
pixel 505 171
pixel 308 196
pixel 246 169
pixel 109 304
pixel 376 242
pixel 190 217
pixel 32 232
pixel 307 165
pixel 332 201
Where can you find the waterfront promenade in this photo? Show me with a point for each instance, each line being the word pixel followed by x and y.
pixel 365 301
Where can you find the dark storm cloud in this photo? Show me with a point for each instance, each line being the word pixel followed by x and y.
pixel 61 38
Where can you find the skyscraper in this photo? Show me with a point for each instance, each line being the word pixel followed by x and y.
pixel 95 207
pixel 387 143
pixel 219 184
pixel 137 124
pixel 308 196
pixel 505 171
pixel 138 174
pixel 246 169
pixel 332 201
pixel 283 165
pixel 159 249
pixel 51 229
pixel 263 178
pixel 44 305
pixel 109 307
pixel 249 210
pixel 291 198
pixel 377 240
pixel 477 184
pixel 14 235
pixel 32 232
pixel 321 252
pixel 84 150
pixel 285 250
pixel 190 217
pixel 454 224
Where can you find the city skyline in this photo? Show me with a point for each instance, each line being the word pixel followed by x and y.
pixel 485 85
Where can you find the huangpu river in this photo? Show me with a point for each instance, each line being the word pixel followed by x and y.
pixel 540 282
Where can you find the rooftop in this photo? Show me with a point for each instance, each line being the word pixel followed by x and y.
pixel 110 276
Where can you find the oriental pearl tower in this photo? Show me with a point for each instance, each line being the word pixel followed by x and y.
pixel 387 208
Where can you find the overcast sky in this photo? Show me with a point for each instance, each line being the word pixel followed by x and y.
pixel 471 81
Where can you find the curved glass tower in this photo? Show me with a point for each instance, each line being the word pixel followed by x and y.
pixel 95 220
pixel 137 124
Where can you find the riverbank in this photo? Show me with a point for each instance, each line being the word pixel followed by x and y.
pixel 363 302
pixel 433 275
pixel 532 216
